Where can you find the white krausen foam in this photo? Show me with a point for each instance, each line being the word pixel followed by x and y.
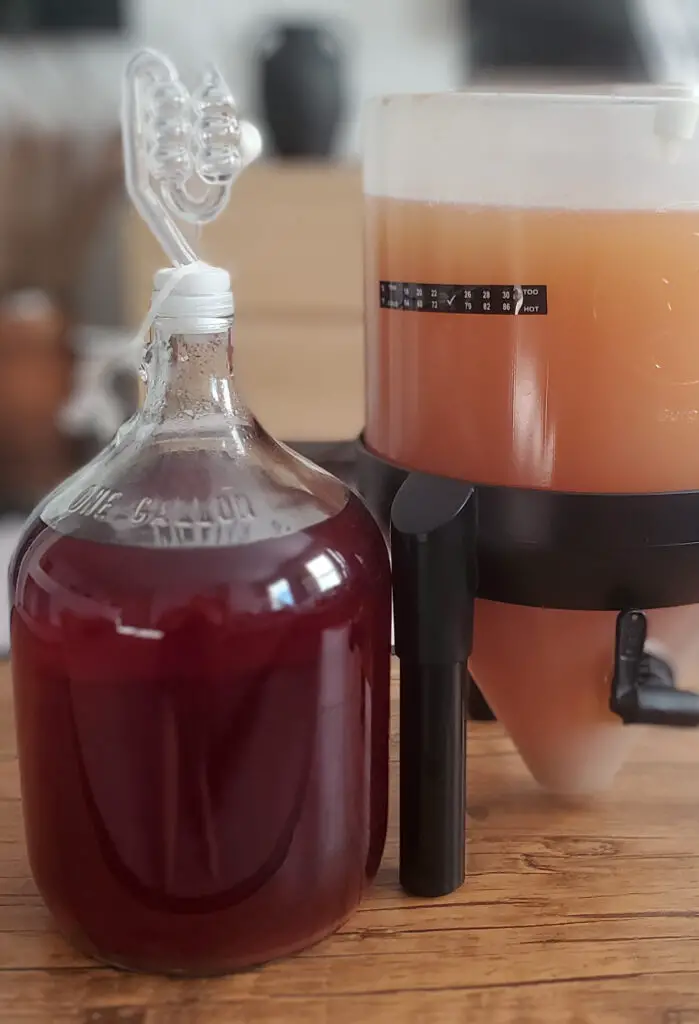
pixel 597 148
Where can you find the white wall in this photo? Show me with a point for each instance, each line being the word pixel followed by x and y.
pixel 394 45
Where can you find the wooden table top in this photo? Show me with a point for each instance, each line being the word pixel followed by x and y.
pixel 583 914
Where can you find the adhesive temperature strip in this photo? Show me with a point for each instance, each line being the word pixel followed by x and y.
pixel 487 299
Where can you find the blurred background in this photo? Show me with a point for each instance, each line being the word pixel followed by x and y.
pixel 76 266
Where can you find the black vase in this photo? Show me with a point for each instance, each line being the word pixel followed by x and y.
pixel 302 91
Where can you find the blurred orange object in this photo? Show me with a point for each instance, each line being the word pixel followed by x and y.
pixel 55 188
pixel 36 370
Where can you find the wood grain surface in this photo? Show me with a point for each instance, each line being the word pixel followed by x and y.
pixel 572 914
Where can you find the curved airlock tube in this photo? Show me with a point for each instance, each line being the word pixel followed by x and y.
pixel 643 688
pixel 182 155
pixel 182 151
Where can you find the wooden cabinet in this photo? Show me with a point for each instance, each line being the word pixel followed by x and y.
pixel 292 240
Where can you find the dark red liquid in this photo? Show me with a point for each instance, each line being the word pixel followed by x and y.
pixel 204 776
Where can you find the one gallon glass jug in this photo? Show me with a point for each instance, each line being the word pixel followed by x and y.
pixel 200 648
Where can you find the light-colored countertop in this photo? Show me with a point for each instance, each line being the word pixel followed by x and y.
pixel 571 915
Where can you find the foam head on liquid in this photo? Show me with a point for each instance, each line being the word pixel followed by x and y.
pixel 591 149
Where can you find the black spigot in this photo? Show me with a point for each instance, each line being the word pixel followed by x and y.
pixel 433 545
pixel 643 688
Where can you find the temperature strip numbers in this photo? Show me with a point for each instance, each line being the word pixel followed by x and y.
pixel 486 299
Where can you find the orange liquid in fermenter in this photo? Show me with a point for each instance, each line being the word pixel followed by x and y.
pixel 601 394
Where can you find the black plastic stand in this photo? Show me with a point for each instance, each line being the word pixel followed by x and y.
pixel 432 779
pixel 433 543
pixel 581 552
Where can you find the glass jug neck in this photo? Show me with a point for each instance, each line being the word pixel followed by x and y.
pixel 190 375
